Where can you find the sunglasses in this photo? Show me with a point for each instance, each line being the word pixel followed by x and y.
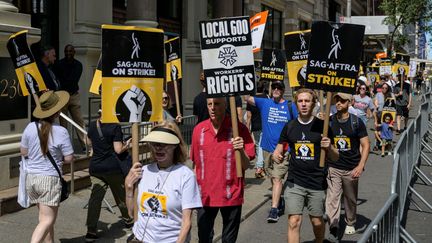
pixel 158 145
pixel 165 98
pixel 362 88
pixel 277 87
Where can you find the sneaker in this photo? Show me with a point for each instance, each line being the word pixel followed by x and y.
pixel 128 223
pixel 389 153
pixel 350 230
pixel 281 206
pixel 91 237
pixel 382 154
pixel 273 216
pixel 333 236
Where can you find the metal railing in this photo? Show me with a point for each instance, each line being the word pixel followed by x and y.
pixel 408 156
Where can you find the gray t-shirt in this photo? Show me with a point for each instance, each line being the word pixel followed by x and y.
pixel 362 104
pixel 380 97
pixel 59 145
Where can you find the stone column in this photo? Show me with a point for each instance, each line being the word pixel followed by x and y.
pixel 142 13
pixel 290 16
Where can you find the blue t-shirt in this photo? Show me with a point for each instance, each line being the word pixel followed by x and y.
pixel 274 116
pixel 386 131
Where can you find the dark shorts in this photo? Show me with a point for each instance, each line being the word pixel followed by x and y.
pixel 402 110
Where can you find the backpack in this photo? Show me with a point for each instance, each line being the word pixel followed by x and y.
pixel 354 122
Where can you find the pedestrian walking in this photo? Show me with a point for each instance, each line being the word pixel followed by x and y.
pixel 352 142
pixel 306 182
pixel 363 104
pixel 106 140
pixel 275 113
pixel 212 152
pixel 46 145
pixel 403 96
pixel 167 189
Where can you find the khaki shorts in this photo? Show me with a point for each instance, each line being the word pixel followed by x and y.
pixel 44 189
pixel 297 197
pixel 273 169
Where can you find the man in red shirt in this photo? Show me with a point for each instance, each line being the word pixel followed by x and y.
pixel 212 151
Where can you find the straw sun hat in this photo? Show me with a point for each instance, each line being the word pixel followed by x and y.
pixel 50 103
pixel 161 135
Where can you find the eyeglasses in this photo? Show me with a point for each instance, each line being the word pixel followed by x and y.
pixel 277 87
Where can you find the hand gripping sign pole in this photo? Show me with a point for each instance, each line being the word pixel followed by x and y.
pixel 176 92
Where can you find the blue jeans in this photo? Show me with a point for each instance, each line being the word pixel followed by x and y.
pixel 259 152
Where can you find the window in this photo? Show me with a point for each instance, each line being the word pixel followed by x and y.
pixel 273 30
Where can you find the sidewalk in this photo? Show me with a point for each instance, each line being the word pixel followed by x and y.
pixel 70 225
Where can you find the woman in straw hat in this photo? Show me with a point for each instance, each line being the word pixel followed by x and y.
pixel 167 192
pixel 39 140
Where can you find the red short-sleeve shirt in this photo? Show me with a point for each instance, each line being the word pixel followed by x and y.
pixel 214 159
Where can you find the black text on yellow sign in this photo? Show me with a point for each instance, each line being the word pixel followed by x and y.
pixel 400 69
pixel 29 77
pixel 132 74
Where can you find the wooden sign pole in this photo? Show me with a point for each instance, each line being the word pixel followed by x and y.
pixel 235 134
pixel 326 125
pixel 177 97
pixel 321 100
pixel 135 159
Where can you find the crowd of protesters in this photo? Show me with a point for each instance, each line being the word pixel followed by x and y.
pixel 284 136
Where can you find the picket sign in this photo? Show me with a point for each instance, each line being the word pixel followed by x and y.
pixel 333 62
pixel 228 64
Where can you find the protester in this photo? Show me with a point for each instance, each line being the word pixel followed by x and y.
pixel 419 81
pixel 166 105
pixel 275 113
pixel 363 104
pixel 168 192
pixel 306 182
pixel 253 122
pixel 200 102
pixel 45 65
pixel 40 141
pixel 352 142
pixel 200 108
pixel 383 100
pixel 403 103
pixel 213 154
pixel 69 70
pixel 385 132
pixel 106 139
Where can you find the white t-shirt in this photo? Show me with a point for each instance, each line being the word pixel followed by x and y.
pixel 162 195
pixel 59 145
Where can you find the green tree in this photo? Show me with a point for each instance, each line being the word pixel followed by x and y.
pixel 401 13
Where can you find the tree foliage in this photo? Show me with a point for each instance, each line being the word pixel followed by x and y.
pixel 401 13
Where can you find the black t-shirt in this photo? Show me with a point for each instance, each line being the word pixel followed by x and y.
pixel 68 74
pixel 256 115
pixel 103 160
pixel 347 141
pixel 304 141
pixel 200 107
